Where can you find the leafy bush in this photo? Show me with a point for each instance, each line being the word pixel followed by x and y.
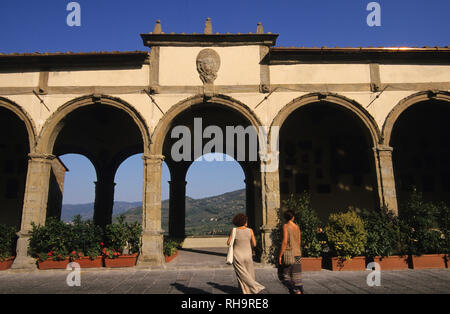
pixel 8 240
pixel 86 237
pixel 123 237
pixel 50 241
pixel 308 221
pixel 420 227
pixel 170 246
pixel 382 232
pixel 444 226
pixel 346 235
pixel 110 253
pixel 134 237
pixel 276 236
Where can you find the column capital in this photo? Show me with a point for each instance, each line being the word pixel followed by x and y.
pixel 156 232
pixel 383 149
pixel 153 158
pixel 100 182
pixel 265 156
pixel 267 228
pixel 175 182
pixel 41 157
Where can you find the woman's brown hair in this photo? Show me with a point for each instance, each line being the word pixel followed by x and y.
pixel 239 220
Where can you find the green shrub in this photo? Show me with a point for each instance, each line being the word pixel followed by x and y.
pixel 308 221
pixel 134 237
pixel 86 237
pixel 346 235
pixel 123 237
pixel 420 227
pixel 444 226
pixel 276 236
pixel 171 246
pixel 382 232
pixel 51 241
pixel 8 240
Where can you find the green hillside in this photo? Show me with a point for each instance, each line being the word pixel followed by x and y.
pixel 206 216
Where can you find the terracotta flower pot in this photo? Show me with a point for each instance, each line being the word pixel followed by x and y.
pixel 50 264
pixel 392 262
pixel 311 263
pixel 168 259
pixel 428 261
pixel 6 264
pixel 87 262
pixel 121 261
pixel 355 264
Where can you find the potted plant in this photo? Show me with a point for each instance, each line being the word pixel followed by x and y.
pixel 382 239
pixel 86 243
pixel 309 224
pixel 347 239
pixel 8 240
pixel 444 226
pixel 424 241
pixel 170 249
pixel 49 244
pixel 122 243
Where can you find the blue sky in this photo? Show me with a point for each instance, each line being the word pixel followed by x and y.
pixel 109 25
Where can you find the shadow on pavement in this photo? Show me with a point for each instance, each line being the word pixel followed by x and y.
pixel 203 252
pixel 224 288
pixel 188 290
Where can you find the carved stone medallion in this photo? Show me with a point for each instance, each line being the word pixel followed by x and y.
pixel 208 64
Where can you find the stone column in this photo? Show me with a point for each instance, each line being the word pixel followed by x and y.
pixel 34 205
pixel 270 190
pixel 152 237
pixel 104 199
pixel 385 178
pixel 177 208
pixel 249 208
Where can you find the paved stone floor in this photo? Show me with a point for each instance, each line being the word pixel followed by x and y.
pixel 203 271
pixel 219 281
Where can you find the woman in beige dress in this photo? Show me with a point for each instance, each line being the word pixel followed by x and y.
pixel 242 256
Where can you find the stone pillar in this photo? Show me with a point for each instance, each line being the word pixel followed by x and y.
pixel 270 193
pixel 56 189
pixel 34 205
pixel 104 199
pixel 385 178
pixel 152 236
pixel 250 202
pixel 177 208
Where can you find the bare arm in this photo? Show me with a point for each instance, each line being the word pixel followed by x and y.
pixel 253 238
pixel 229 238
pixel 283 243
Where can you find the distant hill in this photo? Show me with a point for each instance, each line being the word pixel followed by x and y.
pixel 86 210
pixel 210 215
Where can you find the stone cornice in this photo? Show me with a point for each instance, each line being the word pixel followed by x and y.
pixel 208 40
pixel 386 55
pixel 63 60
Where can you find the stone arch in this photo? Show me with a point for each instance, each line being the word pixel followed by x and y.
pixel 24 116
pixel 164 124
pixel 55 123
pixel 349 104
pixel 404 104
pixel 326 148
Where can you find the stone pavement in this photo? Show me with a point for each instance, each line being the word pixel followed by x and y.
pixel 219 281
pixel 202 271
